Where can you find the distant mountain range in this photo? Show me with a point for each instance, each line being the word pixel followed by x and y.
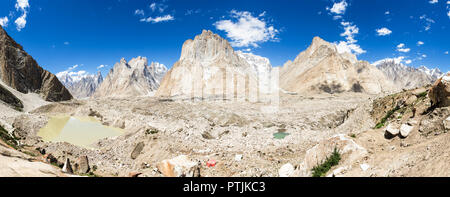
pixel 80 86
pixel 406 77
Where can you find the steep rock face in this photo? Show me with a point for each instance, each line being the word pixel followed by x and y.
pixel 134 78
pixel 405 77
pixel 21 72
pixel 83 86
pixel 208 66
pixel 261 68
pixel 321 69
pixel 9 98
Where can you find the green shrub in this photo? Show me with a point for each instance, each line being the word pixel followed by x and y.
pixel 322 169
pixel 386 117
pixel 423 94
pixel 8 139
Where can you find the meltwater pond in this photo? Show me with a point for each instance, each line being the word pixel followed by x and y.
pixel 80 131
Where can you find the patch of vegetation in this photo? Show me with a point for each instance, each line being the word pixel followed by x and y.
pixel 353 135
pixel 151 131
pixel 386 117
pixel 90 174
pixel 8 139
pixel 29 153
pixel 422 95
pixel 322 169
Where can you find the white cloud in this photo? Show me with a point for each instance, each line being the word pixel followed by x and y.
pixel 433 1
pixel 21 21
pixel 139 12
pixel 383 31
pixel 102 66
pixel 348 47
pixel 158 19
pixel 350 31
pixel 350 44
pixel 387 13
pixel 419 43
pixel 153 6
pixel 4 21
pixel 408 61
pixel 247 30
pixel 338 8
pixel 401 48
pixel 22 4
pixel 446 53
pixel 66 43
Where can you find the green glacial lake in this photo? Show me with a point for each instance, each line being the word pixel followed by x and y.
pixel 79 131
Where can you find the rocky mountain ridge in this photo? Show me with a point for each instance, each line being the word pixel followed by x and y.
pixel 133 78
pixel 321 69
pixel 20 71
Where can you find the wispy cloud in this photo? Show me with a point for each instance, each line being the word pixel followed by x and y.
pixel 402 48
pixel 246 30
pixel 139 12
pixel 101 66
pixel 158 19
pixel 427 22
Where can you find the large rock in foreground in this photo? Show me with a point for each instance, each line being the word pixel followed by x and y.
pixel 440 92
pixel 21 72
pixel 180 166
pixel 350 152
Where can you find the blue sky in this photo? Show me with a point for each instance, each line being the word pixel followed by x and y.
pixel 62 33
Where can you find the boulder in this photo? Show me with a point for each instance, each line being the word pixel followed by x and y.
pixel 433 123
pixel 405 129
pixel 364 167
pixel 286 170
pixel 447 124
pixel 134 174
pixel 440 92
pixel 67 168
pixel 83 164
pixel 392 131
pixel 49 158
pixel 350 152
pixel 411 100
pixel 137 150
pixel 180 166
pixel 419 91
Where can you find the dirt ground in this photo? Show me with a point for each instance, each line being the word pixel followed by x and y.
pixel 240 135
